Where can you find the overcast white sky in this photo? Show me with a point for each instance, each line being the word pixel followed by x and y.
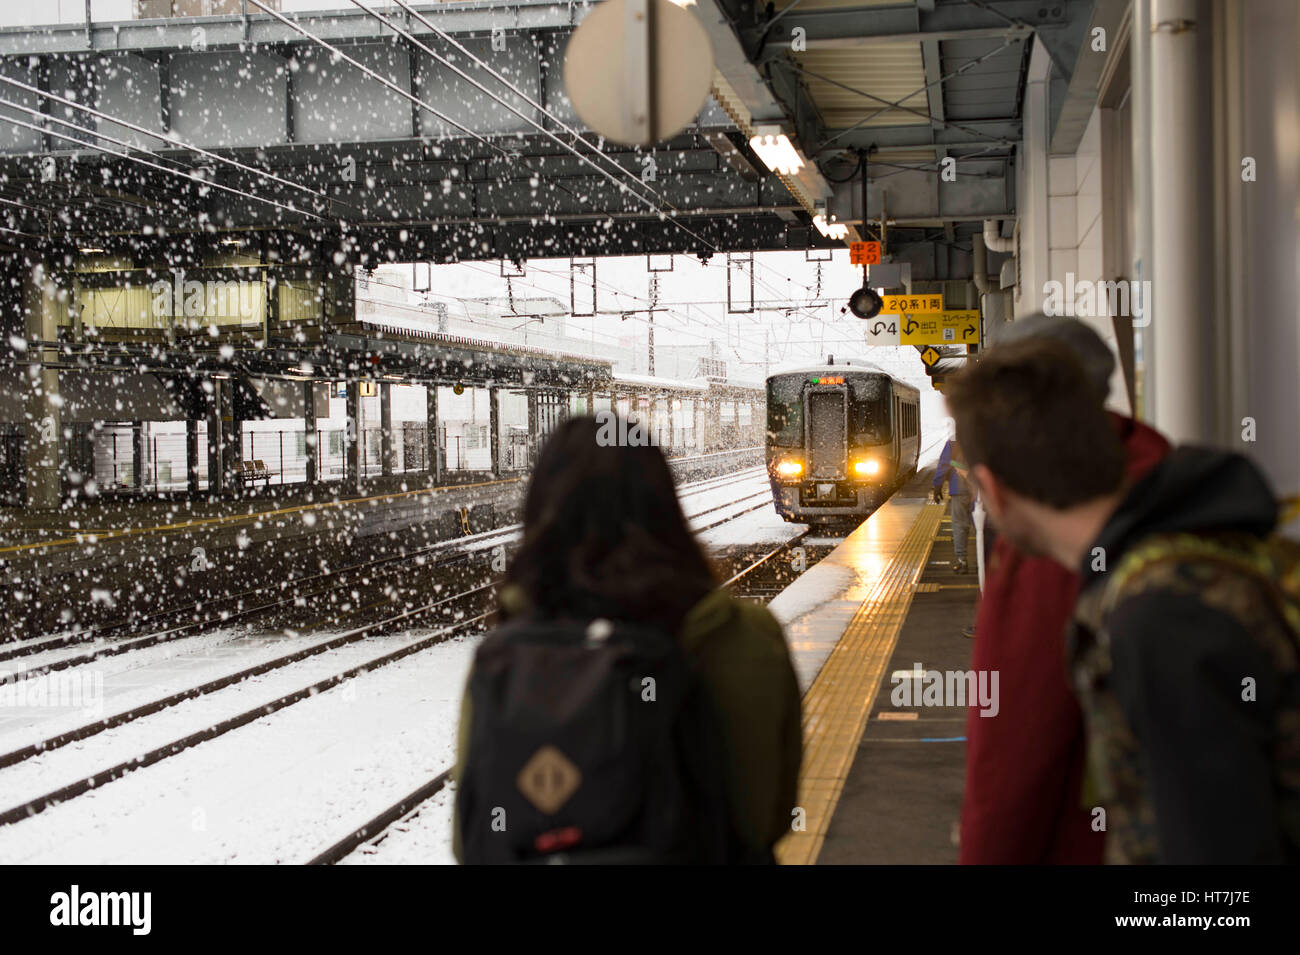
pixel 794 320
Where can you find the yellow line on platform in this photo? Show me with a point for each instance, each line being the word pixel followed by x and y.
pixel 240 518
pixel 837 706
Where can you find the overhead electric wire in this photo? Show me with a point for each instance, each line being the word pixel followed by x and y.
pixel 506 82
pixel 389 84
pixel 166 138
pixel 206 183
pixel 516 91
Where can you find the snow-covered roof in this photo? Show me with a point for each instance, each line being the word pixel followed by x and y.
pixel 828 369
pixel 417 328
pixel 655 381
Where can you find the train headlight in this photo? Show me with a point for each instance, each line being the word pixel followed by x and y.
pixel 866 467
pixel 789 468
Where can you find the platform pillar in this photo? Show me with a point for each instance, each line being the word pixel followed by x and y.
pixel 231 436
pixel 42 427
pixel 137 455
pixel 494 431
pixel 1256 255
pixel 351 440
pixel 216 474
pixel 534 428
pixel 1182 376
pixel 191 455
pixel 385 428
pixel 433 452
pixel 309 431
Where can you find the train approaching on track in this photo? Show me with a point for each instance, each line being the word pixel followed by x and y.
pixel 840 440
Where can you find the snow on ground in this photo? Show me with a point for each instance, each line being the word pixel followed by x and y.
pixel 422 839
pixel 48 771
pixel 286 786
pixel 730 501
pixel 763 526
pixel 120 683
pixel 278 790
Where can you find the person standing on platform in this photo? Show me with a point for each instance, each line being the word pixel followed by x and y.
pixel 1023 799
pixel 627 710
pixel 950 471
pixel 1185 637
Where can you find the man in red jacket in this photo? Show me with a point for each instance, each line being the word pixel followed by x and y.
pixel 1023 802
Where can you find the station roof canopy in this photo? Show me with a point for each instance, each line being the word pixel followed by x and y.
pixel 332 133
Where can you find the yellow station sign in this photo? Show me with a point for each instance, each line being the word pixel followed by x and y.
pixel 900 304
pixel 956 327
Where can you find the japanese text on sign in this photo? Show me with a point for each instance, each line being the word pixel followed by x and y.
pixel 864 253
pixel 958 327
pixel 911 304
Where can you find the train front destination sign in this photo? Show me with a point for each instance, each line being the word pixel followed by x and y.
pixel 956 327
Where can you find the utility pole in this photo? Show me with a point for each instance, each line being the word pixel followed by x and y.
pixel 650 322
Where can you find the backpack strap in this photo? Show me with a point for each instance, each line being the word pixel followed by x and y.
pixel 1274 563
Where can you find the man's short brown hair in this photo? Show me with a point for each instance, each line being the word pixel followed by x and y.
pixel 1027 411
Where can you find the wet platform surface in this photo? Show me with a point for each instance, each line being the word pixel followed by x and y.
pixel 881 782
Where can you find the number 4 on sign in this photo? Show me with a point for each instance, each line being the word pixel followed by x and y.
pixel 882 331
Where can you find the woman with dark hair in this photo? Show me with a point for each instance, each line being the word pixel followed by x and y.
pixel 607 550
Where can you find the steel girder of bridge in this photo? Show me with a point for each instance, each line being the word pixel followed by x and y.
pixel 335 160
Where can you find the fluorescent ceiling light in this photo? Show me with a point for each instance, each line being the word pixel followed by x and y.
pixel 776 150
pixel 832 230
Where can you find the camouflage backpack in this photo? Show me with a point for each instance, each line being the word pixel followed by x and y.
pixel 1273 561
pixel 1207 566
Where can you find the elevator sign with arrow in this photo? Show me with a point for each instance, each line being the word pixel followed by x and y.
pixel 956 327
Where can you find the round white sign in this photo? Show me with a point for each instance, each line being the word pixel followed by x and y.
pixel 637 71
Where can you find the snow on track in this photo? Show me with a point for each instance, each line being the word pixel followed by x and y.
pixel 285 786
pixel 141 676
pixel 277 790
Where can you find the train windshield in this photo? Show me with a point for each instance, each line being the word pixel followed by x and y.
pixel 869 411
pixel 785 411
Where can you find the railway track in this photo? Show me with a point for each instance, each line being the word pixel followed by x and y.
pixel 376 829
pixel 174 747
pixel 232 608
pixel 472 619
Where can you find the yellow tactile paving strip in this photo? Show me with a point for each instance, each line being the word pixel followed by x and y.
pixel 837 705
pixel 253 516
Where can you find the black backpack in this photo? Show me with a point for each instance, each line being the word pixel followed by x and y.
pixel 590 743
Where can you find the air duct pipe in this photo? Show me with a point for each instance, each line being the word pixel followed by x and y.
pixel 993 301
pixel 993 237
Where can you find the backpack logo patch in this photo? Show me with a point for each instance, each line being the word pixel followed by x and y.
pixel 548 779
